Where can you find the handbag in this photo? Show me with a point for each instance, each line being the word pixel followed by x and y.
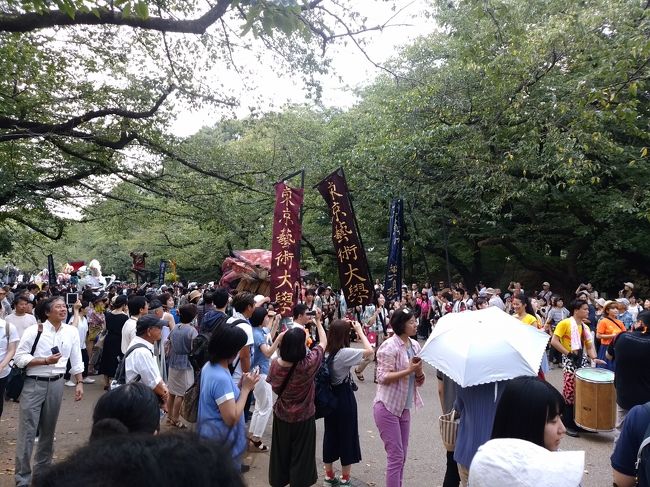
pixel 16 380
pixel 449 429
pixel 98 350
pixel 190 407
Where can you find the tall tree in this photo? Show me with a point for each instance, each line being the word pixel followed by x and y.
pixel 88 88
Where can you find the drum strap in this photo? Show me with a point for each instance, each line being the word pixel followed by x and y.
pixel 618 326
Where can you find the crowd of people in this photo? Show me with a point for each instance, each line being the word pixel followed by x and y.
pixel 151 346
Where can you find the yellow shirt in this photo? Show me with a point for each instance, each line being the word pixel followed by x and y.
pixel 563 331
pixel 531 320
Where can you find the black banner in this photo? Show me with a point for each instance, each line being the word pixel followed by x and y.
pixel 161 272
pixel 351 256
pixel 285 259
pixel 393 280
pixel 51 272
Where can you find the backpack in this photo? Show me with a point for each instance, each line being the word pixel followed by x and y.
pixel 643 458
pixel 198 355
pixel 325 400
pixel 120 374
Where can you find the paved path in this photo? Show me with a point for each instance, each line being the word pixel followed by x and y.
pixel 426 457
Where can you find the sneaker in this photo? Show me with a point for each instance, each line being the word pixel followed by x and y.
pixel 327 482
pixel 345 482
pixel 70 383
pixel 88 380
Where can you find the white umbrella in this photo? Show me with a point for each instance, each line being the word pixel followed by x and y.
pixel 488 345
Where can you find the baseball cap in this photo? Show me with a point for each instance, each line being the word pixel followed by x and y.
pixel 489 291
pixel 147 321
pixel 546 283
pixel 154 304
pixel 629 284
pixel 519 463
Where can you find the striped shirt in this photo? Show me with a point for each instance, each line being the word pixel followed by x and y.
pixel 392 356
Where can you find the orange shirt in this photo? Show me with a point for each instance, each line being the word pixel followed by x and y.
pixel 607 326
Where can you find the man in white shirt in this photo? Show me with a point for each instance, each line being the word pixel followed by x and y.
pixel 44 354
pixel 140 363
pixel 244 305
pixel 5 309
pixel 138 307
pixel 494 299
pixel 9 339
pixel 21 318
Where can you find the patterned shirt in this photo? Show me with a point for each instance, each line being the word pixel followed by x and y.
pixel 296 403
pixel 392 356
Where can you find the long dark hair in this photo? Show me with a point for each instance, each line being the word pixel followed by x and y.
pixel 526 301
pixel 526 405
pixel 338 336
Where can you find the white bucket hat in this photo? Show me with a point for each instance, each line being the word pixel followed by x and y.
pixel 519 463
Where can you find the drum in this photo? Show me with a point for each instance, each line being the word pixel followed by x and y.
pixel 595 407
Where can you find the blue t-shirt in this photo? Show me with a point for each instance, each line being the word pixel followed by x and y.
pixel 627 447
pixel 627 319
pixel 218 387
pixel 175 315
pixel 259 337
pixel 477 406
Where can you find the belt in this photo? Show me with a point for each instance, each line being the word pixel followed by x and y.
pixel 45 379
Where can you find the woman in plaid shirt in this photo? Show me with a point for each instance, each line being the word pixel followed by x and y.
pixel 399 374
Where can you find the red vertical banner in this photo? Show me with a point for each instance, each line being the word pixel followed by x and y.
pixel 285 264
pixel 351 256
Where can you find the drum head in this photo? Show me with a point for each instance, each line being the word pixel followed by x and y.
pixel 590 374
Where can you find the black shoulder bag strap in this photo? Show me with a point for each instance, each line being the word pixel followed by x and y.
pixel 236 362
pixel 286 380
pixel 38 337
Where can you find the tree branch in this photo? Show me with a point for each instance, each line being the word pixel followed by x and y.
pixel 19 219
pixel 28 129
pixel 31 21
pixel 185 162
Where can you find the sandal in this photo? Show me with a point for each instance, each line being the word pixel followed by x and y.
pixel 176 424
pixel 258 446
pixel 359 375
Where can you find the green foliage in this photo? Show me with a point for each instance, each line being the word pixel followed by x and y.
pixel 519 130
pixel 89 103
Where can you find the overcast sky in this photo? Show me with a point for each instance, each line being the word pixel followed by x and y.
pixel 350 68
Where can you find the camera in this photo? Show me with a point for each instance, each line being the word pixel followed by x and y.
pixel 311 313
pixel 71 298
pixel 54 350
